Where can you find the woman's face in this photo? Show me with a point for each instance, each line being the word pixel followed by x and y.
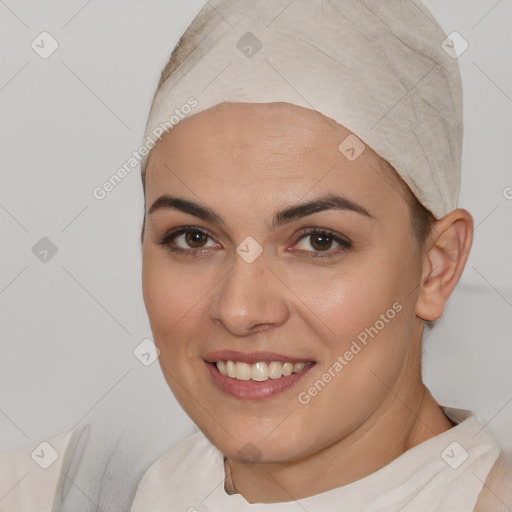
pixel 332 286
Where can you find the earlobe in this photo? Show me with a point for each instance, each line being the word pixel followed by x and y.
pixel 447 251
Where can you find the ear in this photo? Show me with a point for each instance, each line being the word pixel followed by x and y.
pixel 447 251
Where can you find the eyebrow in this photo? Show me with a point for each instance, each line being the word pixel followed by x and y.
pixel 289 214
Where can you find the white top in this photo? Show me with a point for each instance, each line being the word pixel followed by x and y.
pixel 31 478
pixel 444 473
pixel 434 476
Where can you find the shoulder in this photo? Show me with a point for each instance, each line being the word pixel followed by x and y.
pixel 32 476
pixel 179 476
pixel 496 494
pixel 176 461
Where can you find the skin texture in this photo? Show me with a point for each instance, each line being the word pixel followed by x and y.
pixel 245 162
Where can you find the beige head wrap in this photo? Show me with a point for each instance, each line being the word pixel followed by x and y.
pixel 377 67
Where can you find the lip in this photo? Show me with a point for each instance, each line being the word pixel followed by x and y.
pixel 252 357
pixel 251 389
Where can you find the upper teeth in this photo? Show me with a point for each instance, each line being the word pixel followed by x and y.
pixel 258 371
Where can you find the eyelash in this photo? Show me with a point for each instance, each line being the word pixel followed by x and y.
pixel 168 237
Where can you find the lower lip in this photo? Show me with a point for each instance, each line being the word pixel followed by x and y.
pixel 254 390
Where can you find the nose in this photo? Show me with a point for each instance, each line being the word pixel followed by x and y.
pixel 251 299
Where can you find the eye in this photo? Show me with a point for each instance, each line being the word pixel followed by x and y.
pixel 321 241
pixel 189 241
pixel 186 240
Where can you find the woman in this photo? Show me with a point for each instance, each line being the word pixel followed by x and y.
pixel 301 228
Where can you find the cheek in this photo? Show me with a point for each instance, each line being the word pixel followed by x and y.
pixel 167 294
pixel 155 290
pixel 360 363
pixel 363 314
pixel 342 302
pixel 162 284
pixel 175 300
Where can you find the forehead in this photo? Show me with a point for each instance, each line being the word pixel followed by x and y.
pixel 259 132
pixel 273 150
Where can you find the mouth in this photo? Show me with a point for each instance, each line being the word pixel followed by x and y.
pixel 255 375
pixel 260 371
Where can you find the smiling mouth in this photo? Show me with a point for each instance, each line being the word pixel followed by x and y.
pixel 260 371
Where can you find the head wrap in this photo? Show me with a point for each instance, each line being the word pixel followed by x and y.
pixel 377 67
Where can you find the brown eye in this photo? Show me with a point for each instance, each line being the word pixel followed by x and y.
pixel 195 239
pixel 186 240
pixel 322 241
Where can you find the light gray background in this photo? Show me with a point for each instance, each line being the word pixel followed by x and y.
pixel 69 326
